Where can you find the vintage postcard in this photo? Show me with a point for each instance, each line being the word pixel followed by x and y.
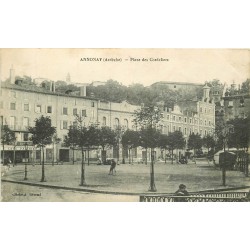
pixel 139 125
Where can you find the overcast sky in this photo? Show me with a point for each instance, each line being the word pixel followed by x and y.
pixel 183 65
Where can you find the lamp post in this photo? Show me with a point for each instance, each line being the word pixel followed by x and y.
pixel 25 170
pixel 119 132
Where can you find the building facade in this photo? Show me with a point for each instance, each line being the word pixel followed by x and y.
pixel 20 105
pixel 193 116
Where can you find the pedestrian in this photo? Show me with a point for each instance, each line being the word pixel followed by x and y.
pixel 8 163
pixel 112 167
pixel 181 192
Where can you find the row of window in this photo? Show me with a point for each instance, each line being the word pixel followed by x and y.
pixel 13 94
pixel 185 130
pixel 190 120
pixel 38 109
pixel 64 124
pixel 205 110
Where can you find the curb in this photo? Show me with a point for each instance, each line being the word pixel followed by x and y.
pixel 113 192
pixel 74 189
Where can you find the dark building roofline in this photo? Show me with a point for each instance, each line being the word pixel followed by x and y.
pixel 35 89
pixel 178 83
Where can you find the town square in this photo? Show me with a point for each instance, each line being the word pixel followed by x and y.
pixel 111 138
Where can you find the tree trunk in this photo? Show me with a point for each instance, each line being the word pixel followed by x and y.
pixel 103 156
pixel 3 154
pixel 43 170
pixel 14 156
pixel 56 155
pixel 132 157
pixel 152 187
pixel 195 156
pixel 118 152
pixel 88 156
pixel 172 158
pixel 83 171
pixel 146 156
pixel 40 156
pixel 224 168
pixel 129 159
pixel 73 155
pixel 165 156
pixel 53 151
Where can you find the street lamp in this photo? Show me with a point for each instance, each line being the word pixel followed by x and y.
pixel 26 150
pixel 119 131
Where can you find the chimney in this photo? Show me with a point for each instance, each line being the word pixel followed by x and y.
pixel 83 90
pixel 12 75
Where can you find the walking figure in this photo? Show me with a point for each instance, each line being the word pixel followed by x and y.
pixel 112 167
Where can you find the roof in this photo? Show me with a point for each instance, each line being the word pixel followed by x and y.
pixel 35 89
pixel 178 83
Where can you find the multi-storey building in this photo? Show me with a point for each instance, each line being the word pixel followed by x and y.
pixel 21 104
pixel 192 116
pixel 236 106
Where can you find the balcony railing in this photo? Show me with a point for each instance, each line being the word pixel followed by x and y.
pixel 198 197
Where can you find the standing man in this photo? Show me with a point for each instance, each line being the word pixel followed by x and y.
pixel 112 167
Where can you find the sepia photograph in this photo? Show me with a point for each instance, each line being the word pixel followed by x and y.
pixel 124 125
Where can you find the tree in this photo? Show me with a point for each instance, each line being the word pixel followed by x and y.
pixel 71 139
pixel 148 117
pixel 208 142
pixel 239 136
pixel 175 140
pixel 91 138
pixel 130 139
pixel 194 142
pixel 245 87
pixel 149 138
pixel 219 125
pixel 163 143
pixel 63 87
pixel 42 135
pixel 7 137
pixel 81 142
pixel 106 138
pixel 112 91
pixel 55 141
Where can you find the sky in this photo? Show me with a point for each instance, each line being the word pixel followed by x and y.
pixel 179 65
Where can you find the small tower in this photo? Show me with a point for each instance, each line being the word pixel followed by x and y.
pixel 206 91
pixel 68 78
pixel 12 75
